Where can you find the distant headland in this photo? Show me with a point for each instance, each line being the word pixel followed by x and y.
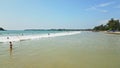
pixel 1 29
pixel 58 30
pixel 111 27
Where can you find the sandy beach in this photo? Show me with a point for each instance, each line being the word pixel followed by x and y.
pixel 82 50
pixel 117 32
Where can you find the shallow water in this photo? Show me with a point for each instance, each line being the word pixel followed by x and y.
pixel 84 50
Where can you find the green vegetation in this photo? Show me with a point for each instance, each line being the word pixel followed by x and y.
pixel 58 29
pixel 112 25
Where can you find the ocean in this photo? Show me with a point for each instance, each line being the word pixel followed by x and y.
pixel 12 36
pixel 66 50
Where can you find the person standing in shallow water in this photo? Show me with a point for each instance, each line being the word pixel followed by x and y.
pixel 10 45
pixel 10 48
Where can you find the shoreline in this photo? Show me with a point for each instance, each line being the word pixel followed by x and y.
pixel 31 37
pixel 117 32
pixel 109 32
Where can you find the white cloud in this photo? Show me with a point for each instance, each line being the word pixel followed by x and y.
pixel 97 9
pixel 100 7
pixel 102 10
pixel 106 4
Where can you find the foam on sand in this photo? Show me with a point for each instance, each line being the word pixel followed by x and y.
pixel 29 37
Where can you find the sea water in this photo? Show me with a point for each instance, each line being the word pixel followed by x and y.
pixel 82 50
pixel 11 36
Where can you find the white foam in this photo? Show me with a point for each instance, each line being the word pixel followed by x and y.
pixel 29 37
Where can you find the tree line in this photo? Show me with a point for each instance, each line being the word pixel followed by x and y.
pixel 112 25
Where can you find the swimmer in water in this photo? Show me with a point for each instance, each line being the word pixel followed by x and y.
pixel 7 37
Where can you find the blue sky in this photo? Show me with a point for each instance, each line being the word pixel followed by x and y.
pixel 25 14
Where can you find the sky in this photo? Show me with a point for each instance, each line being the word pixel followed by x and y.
pixel 48 14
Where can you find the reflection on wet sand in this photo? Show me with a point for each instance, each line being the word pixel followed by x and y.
pixel 11 48
pixel 11 51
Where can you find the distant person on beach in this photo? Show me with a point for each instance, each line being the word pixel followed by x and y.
pixel 10 45
pixel 48 33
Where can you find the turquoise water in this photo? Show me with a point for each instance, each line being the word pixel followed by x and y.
pixel 84 50
pixel 21 32
pixel 13 36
